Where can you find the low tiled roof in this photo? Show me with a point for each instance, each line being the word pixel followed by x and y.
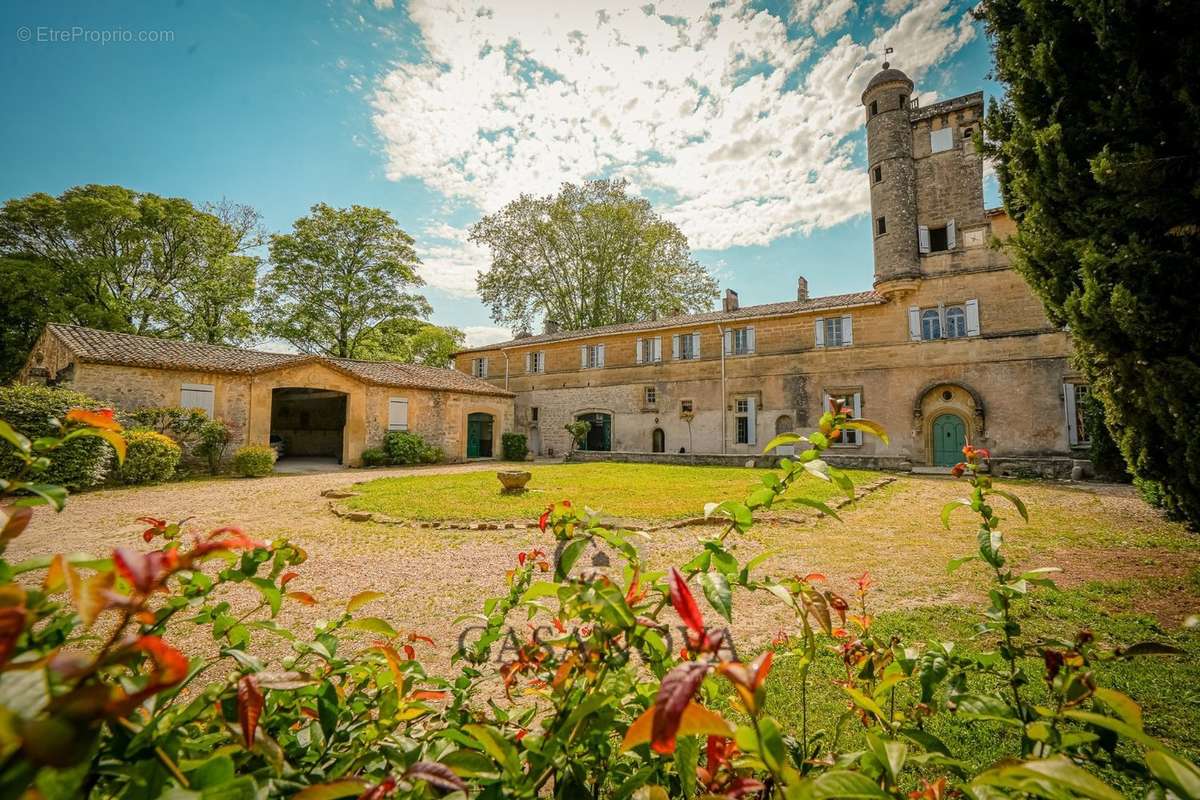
pixel 108 347
pixel 868 298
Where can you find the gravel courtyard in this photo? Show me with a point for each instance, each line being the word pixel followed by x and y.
pixel 1096 533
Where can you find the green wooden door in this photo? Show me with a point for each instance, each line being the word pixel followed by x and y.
pixel 479 436
pixel 949 436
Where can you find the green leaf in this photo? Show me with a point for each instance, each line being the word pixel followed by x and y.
pixel 539 590
pixel 982 706
pixel 347 787
pixel 44 493
pixel 890 753
pixel 1016 501
pixel 783 440
pixel 1122 704
pixel 1149 649
pixel 496 746
pixel 1177 775
pixel 865 703
pixel 566 560
pixel 470 764
pixel 17 440
pixel 361 599
pixel 687 758
pixel 1116 726
pixel 716 590
pixel 953 564
pixel 270 593
pixel 373 625
pixel 817 504
pixel 845 785
pixel 1047 778
pixel 867 426
pixel 950 507
pixel 928 741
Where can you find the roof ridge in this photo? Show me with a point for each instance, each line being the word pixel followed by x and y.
pixel 150 338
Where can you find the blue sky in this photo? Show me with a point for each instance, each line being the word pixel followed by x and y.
pixel 739 120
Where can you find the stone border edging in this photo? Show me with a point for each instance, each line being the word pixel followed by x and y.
pixel 458 525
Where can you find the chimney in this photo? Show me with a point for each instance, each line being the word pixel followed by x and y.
pixel 731 301
pixel 801 289
pixel 551 326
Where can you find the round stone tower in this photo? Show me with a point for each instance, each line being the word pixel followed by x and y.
pixel 892 176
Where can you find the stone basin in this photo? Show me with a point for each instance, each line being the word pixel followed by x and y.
pixel 513 481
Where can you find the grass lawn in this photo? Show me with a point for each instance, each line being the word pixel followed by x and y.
pixel 629 491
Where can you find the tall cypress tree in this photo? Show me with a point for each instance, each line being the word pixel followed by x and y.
pixel 1097 149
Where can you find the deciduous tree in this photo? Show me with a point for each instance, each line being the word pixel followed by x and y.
pixel 336 277
pixel 412 341
pixel 1097 147
pixel 590 255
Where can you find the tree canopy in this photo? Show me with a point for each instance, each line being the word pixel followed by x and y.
pixel 589 255
pixel 412 341
pixel 1097 149
pixel 338 276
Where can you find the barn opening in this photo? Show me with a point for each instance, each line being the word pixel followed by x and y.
pixel 308 424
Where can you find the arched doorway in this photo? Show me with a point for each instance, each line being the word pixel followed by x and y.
pixel 658 441
pixel 599 436
pixel 784 424
pixel 479 435
pixel 948 438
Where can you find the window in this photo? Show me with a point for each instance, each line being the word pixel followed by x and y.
pixel 851 399
pixel 397 414
pixel 533 413
pixel 941 140
pixel 903 101
pixel 535 362
pixel 877 174
pixel 956 322
pixel 197 395
pixel 685 346
pixel 650 395
pixel 744 420
pixel 591 356
pixel 833 331
pixel 880 226
pixel 686 407
pixel 937 240
pixel 931 324
pixel 1075 398
pixel 649 351
pixel 874 107
pixel 479 367
pixel 739 341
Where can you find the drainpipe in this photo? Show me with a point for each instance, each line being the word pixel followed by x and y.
pixel 504 353
pixel 721 348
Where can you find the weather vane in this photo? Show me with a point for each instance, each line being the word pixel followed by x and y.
pixel 886 52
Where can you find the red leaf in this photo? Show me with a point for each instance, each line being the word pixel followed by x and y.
pixel 250 706
pixel 674 694
pixel 544 519
pixel 410 652
pixel 303 597
pixel 684 603
pixel 436 775
pixel 380 790
pixel 286 577
pixel 101 418
pixel 15 521
pixel 427 694
pixel 413 636
pixel 12 624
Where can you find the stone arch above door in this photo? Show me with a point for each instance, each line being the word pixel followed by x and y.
pixel 947 397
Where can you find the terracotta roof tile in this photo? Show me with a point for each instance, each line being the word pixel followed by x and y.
pixel 704 318
pixel 108 347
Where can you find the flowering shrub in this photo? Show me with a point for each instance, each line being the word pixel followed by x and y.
pixel 150 458
pixel 254 461
pixel 597 701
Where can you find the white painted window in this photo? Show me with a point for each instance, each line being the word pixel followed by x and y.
pixel 535 362
pixel 685 346
pixel 591 356
pixel 852 400
pixel 479 367
pixel 397 414
pixel 931 324
pixel 1074 397
pixel 745 420
pixel 739 341
pixel 650 395
pixel 833 331
pixel 686 407
pixel 648 350
pixel 956 322
pixel 197 395
pixel 941 140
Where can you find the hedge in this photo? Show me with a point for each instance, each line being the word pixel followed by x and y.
pixel 150 457
pixel 514 446
pixel 80 463
pixel 254 461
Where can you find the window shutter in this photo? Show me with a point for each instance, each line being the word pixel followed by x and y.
pixel 675 346
pixel 583 356
pixel 529 362
pixel 847 331
pixel 728 342
pixel 638 352
pixel 483 367
pixel 599 355
pixel 397 414
pixel 750 339
pixel 858 405
pixel 923 238
pixel 1069 406
pixel 972 309
pixel 752 422
pixel 657 354
pixel 819 331
pixel 914 323
pixel 695 345
pixel 950 235
pixel 197 395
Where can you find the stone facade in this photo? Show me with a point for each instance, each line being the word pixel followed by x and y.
pixel 997 365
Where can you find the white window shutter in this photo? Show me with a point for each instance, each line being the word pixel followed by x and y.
pixel 914 323
pixel 583 356
pixel 675 346
pixel 529 362
pixel 750 339
pixel 599 355
pixel 657 355
pixel 728 342
pixel 819 331
pixel 847 331
pixel 923 238
pixel 950 235
pixel 638 352
pixel 397 414
pixel 197 395
pixel 972 309
pixel 695 345
pixel 752 421
pixel 1069 405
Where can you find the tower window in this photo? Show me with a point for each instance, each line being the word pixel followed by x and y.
pixel 880 226
pixel 938 240
pixel 874 107
pixel 903 101
pixel 877 174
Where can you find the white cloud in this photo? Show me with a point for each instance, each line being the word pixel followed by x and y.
pixel 712 110
pixel 450 262
pixel 479 335
pixel 385 5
